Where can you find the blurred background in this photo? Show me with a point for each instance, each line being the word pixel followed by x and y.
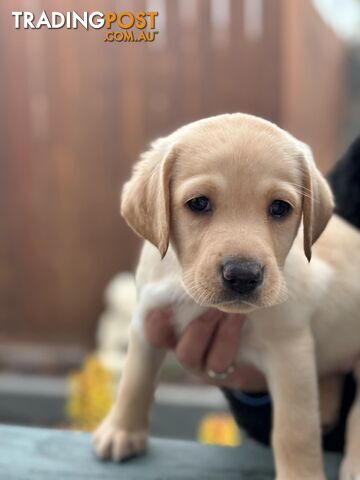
pixel 75 113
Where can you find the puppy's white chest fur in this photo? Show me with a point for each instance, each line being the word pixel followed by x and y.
pixel 167 293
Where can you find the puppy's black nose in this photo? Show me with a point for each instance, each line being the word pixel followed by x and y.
pixel 242 276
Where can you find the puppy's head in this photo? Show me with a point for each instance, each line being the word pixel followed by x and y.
pixel 229 193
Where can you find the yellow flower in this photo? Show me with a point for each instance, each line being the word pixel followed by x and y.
pixel 219 429
pixel 91 393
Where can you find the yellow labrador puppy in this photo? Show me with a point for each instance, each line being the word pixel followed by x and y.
pixel 230 208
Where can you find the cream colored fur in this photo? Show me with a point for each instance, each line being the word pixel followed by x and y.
pixel 305 320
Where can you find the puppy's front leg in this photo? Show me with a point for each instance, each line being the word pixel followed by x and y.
pixel 292 379
pixel 123 433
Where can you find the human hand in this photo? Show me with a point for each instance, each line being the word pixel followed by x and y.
pixel 207 347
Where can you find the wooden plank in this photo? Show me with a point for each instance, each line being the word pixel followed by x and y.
pixel 36 454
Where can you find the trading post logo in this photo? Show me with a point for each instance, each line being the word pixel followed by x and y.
pixel 126 26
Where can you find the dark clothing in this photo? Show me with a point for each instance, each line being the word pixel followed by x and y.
pixel 344 180
pixel 253 413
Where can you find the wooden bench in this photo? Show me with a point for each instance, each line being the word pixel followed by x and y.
pixel 39 454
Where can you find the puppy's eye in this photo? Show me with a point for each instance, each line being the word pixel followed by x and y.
pixel 199 204
pixel 279 209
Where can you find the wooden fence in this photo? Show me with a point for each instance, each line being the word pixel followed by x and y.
pixel 75 112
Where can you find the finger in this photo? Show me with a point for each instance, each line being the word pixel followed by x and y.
pixel 225 343
pixel 195 340
pixel 159 330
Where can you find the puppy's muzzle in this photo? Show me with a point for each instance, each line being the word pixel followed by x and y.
pixel 242 276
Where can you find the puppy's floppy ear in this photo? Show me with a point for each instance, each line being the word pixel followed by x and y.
pixel 145 200
pixel 318 201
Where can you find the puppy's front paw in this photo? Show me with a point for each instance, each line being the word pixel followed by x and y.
pixel 350 468
pixel 112 442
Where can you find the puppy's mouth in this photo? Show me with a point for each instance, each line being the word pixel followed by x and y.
pixel 229 302
pixel 238 304
pixel 225 301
